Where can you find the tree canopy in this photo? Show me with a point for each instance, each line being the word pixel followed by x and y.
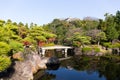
pixel 69 31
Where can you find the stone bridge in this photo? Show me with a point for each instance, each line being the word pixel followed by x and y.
pixel 65 48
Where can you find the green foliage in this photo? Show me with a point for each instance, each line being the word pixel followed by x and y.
pixel 110 45
pixel 40 38
pixel 101 36
pixel 96 35
pixel 77 23
pixel 111 31
pixel 15 37
pixel 16 46
pixel 5 62
pixel 90 24
pixel 76 44
pixel 116 45
pixel 1 23
pixel 39 34
pixel 86 49
pixel 29 40
pixel 48 35
pixel 117 21
pixel 4 48
pixel 107 44
pixel 92 48
pixel 96 49
pixel 5 34
pixel 69 31
pixel 60 28
pixel 79 40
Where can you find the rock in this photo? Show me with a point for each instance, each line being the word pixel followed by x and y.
pixel 29 65
pixel 38 63
pixel 43 62
pixel 53 60
pixel 78 51
pixel 18 56
pixel 53 63
pixel 25 69
pixel 99 54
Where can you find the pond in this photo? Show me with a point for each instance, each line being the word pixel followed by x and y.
pixel 78 68
pixel 71 74
pixel 83 68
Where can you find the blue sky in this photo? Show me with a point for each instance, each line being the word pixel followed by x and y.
pixel 44 11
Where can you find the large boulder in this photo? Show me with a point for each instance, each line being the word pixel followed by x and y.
pixel 25 69
pixel 38 63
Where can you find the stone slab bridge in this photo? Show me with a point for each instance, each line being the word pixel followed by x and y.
pixel 64 48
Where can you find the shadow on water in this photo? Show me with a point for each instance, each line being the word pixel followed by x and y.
pixel 53 66
pixel 43 75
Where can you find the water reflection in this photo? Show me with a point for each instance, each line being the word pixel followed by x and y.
pixel 110 70
pixel 53 66
pixel 84 68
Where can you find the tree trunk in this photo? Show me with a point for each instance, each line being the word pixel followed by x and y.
pixel 98 43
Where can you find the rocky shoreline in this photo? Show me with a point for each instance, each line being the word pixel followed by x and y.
pixel 26 67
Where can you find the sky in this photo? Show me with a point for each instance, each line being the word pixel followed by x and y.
pixel 44 11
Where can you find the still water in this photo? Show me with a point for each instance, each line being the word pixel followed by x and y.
pixel 71 74
pixel 86 68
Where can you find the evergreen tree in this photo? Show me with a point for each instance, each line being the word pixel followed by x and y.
pixel 117 20
pixel 111 31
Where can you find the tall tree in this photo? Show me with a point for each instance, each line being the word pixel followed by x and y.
pixel 96 36
pixel 101 25
pixel 79 40
pixel 117 20
pixel 90 23
pixel 111 31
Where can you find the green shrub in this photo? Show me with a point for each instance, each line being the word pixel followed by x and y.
pixel 86 49
pixel 107 44
pixel 5 62
pixel 27 41
pixel 4 48
pixel 76 44
pixel 97 49
pixel 16 46
pixel 116 45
